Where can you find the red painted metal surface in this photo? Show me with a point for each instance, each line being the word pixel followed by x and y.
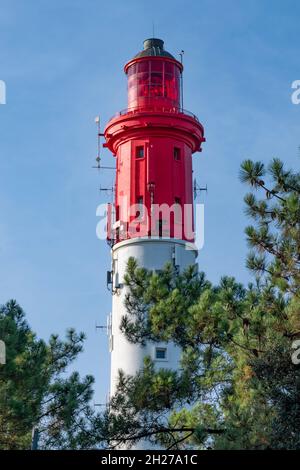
pixel 153 141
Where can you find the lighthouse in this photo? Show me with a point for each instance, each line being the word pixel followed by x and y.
pixel 152 216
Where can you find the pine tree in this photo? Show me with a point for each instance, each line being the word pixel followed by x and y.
pixel 35 390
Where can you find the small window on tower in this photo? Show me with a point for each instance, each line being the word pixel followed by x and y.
pixel 160 228
pixel 139 151
pixel 177 154
pixel 117 212
pixel 161 354
pixel 140 203
pixel 178 211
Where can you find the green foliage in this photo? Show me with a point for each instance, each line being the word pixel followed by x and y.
pixel 275 240
pixel 34 390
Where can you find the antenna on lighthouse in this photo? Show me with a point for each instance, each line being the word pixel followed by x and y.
pixel 98 158
pixel 197 189
pixel 107 190
pixel 181 81
pixel 97 121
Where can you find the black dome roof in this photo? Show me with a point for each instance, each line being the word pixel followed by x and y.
pixel 154 47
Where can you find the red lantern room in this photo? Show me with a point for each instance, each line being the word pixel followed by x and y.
pixel 153 141
pixel 154 78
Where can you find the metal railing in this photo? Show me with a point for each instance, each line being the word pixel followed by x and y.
pixel 155 109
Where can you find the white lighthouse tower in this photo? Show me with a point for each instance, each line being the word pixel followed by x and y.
pixel 152 216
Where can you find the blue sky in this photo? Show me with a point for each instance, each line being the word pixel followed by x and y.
pixel 62 63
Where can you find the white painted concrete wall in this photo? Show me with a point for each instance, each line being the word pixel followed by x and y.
pixel 151 254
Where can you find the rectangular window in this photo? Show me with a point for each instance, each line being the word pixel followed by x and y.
pixel 160 228
pixel 161 354
pixel 140 203
pixel 139 151
pixel 177 153
pixel 178 211
pixel 117 212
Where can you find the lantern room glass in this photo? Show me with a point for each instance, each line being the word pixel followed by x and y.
pixel 154 83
